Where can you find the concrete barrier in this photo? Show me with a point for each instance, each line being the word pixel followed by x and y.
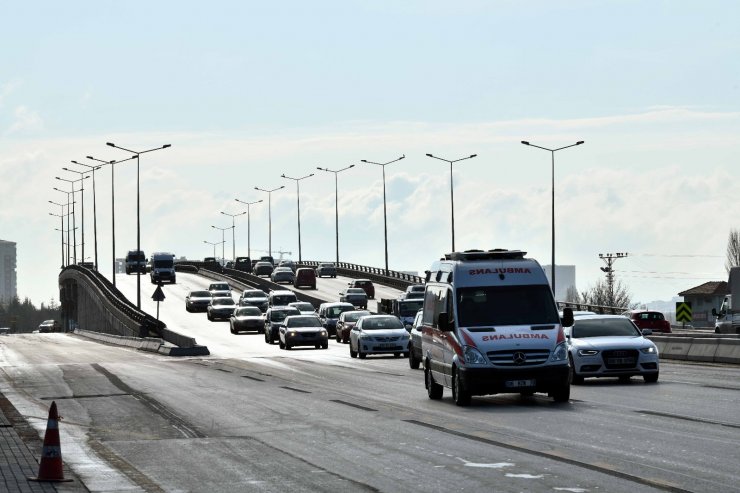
pixel 728 351
pixel 703 349
pixel 676 347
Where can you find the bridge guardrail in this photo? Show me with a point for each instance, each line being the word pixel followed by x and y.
pixel 110 312
pixel 392 278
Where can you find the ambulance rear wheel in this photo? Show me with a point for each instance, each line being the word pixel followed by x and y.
pixel 459 395
pixel 433 388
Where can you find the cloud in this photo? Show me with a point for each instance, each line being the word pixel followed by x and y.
pixel 25 120
pixel 7 89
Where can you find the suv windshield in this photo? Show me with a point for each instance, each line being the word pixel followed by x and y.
pixel 163 264
pixel 335 311
pixel 254 294
pixel 409 309
pixel 248 312
pixel 506 305
pixel 279 315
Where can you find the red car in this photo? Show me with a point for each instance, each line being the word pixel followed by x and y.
pixel 648 319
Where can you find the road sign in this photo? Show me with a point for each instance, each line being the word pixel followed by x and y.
pixel 158 294
pixel 683 311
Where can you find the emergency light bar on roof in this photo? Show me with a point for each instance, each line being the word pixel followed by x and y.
pixel 495 254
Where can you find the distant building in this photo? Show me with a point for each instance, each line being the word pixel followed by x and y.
pixel 565 278
pixel 8 282
pixel 703 298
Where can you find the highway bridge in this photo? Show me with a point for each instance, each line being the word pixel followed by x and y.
pixel 248 416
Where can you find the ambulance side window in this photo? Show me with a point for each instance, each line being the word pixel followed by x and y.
pixel 436 301
pixel 430 301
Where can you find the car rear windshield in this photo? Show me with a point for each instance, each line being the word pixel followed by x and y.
pixel 649 316
pixel 223 301
pixel 594 327
pixel 506 305
pixel 248 311
pixel 307 321
pixel 200 294
pixel 355 291
pixel 220 287
pixel 379 323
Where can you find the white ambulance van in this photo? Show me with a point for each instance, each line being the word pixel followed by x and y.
pixel 490 325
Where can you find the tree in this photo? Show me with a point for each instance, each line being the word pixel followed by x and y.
pixel 600 294
pixel 733 250
pixel 572 296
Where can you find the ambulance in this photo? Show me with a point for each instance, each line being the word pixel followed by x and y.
pixel 490 325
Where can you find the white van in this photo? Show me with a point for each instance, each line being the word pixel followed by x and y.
pixel 490 325
pixel 163 267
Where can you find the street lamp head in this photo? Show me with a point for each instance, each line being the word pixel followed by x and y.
pixel 351 165
pixel 525 142
pixel 110 144
pixel 473 155
pixel 402 156
pixel 429 155
pixel 166 146
pixel 579 142
pixel 90 157
pixel 363 160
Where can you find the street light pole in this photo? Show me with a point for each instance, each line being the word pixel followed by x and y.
pixel 269 215
pixel 82 192
pixel 249 242
pixel 385 218
pixel 223 241
pixel 68 214
pixel 452 194
pixel 336 203
pixel 214 243
pixel 136 155
pixel 95 208
pixel 298 195
pixel 233 236
pixel 61 220
pixel 74 223
pixel 552 154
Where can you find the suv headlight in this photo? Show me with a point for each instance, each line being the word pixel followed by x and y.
pixel 473 356
pixel 560 353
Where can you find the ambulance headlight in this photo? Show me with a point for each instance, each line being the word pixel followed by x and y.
pixel 473 356
pixel 560 353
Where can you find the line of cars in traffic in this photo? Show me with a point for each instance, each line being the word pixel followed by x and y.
pixel 475 333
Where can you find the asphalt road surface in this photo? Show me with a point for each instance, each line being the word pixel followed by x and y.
pixel 252 417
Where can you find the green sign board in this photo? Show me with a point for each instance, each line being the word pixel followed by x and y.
pixel 683 311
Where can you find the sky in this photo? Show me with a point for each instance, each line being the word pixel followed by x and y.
pixel 246 91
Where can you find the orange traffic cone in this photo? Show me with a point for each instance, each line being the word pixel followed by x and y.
pixel 50 467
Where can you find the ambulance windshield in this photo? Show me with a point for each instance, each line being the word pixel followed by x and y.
pixel 506 305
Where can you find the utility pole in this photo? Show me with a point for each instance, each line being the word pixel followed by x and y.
pixel 610 258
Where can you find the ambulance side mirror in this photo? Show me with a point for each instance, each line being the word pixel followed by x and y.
pixel 567 320
pixel 443 322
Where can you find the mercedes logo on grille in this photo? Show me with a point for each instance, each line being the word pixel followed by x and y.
pixel 519 358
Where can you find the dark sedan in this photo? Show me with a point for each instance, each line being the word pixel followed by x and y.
pixel 262 269
pixel 346 321
pixel 356 296
pixel 197 301
pixel 247 318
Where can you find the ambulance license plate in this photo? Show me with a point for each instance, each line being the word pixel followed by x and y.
pixel 520 383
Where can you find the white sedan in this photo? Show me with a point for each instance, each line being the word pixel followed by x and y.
pixel 378 334
pixel 610 346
